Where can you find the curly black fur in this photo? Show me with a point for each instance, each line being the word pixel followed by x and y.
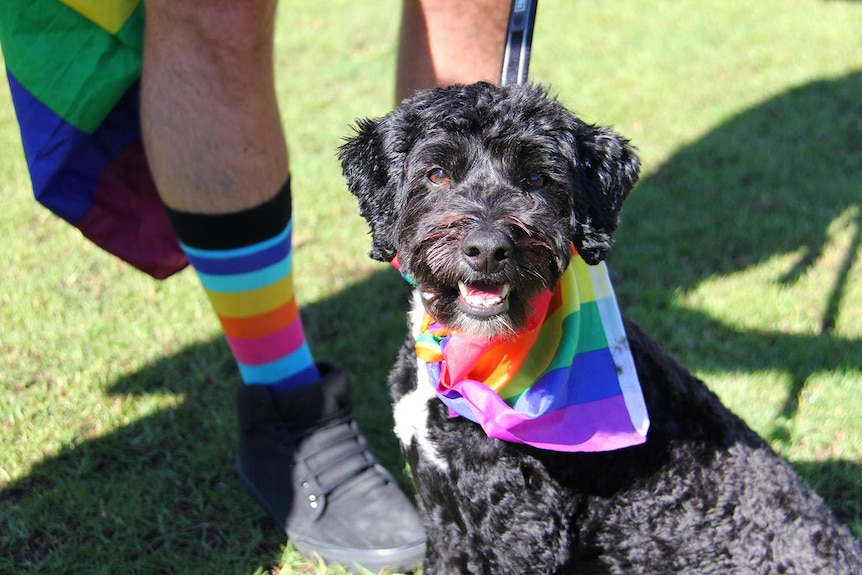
pixel 703 495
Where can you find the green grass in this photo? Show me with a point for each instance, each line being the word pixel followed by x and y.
pixel 739 251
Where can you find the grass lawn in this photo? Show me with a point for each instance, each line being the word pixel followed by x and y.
pixel 739 250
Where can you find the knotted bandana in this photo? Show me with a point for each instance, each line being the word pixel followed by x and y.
pixel 567 382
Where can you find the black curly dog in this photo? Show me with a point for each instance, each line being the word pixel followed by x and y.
pixel 489 185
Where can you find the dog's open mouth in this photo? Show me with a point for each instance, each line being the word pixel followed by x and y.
pixel 483 299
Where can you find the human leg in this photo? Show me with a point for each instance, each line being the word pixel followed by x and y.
pixel 218 155
pixel 213 137
pixel 208 86
pixel 445 42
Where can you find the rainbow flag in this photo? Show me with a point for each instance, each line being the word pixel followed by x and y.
pixel 567 382
pixel 73 68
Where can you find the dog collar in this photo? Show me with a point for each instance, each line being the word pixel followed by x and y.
pixel 565 383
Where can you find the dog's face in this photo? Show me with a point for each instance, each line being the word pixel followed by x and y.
pixel 480 190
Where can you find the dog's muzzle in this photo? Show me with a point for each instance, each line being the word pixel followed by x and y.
pixel 487 252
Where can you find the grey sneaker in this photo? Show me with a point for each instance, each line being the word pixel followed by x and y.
pixel 303 457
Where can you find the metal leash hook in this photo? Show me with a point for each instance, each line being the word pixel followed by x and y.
pixel 519 39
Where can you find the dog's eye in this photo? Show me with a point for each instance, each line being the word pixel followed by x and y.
pixel 439 177
pixel 535 181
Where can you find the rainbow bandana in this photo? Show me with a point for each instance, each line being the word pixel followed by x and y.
pixel 73 68
pixel 567 382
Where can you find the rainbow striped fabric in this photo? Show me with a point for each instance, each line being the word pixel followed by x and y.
pixel 251 290
pixel 73 68
pixel 566 383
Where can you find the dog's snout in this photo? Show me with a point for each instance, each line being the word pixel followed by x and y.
pixel 487 251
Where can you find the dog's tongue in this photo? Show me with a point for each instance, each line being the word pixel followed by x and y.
pixel 483 294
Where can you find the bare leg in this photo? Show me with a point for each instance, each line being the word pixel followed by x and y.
pixel 445 42
pixel 211 124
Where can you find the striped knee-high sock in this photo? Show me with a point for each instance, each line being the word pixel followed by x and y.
pixel 243 260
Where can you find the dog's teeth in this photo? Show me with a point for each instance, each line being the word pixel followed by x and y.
pixel 481 295
pixel 462 288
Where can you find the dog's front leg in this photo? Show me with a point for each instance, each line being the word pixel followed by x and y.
pixel 451 548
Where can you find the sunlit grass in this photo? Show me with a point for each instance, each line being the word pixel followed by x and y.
pixel 739 251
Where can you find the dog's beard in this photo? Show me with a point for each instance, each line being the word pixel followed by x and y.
pixel 492 306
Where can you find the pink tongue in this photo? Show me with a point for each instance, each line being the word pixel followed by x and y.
pixel 484 292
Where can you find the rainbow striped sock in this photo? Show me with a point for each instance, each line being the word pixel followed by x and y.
pixel 243 260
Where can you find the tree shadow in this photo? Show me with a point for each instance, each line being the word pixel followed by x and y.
pixel 768 182
pixel 682 220
pixel 686 215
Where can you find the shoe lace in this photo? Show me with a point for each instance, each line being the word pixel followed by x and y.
pixel 344 438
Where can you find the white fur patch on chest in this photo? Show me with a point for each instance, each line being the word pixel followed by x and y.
pixel 411 411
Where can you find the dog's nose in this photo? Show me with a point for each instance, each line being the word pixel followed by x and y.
pixel 487 251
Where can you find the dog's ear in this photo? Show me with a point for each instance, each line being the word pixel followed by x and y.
pixel 606 168
pixel 372 161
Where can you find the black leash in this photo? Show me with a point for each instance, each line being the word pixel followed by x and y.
pixel 519 39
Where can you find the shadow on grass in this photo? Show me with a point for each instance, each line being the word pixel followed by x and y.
pixel 767 182
pixel 159 496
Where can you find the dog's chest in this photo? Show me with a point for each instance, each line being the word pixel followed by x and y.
pixel 411 411
pixel 411 420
